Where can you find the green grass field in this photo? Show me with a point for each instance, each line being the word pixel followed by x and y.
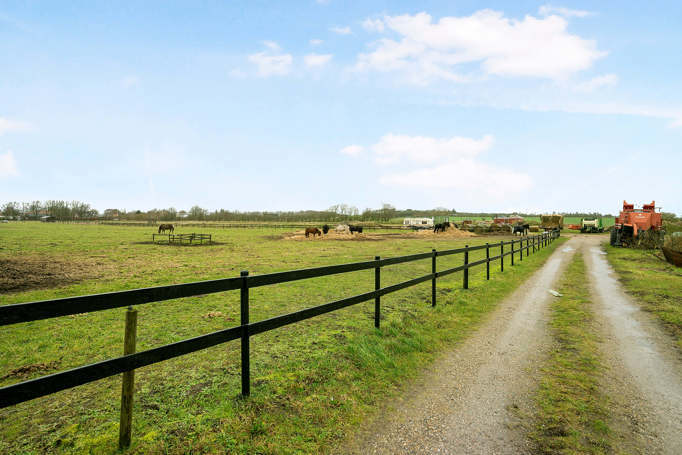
pixel 656 284
pixel 312 382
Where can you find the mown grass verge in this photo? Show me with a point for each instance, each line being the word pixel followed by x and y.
pixel 572 413
pixel 656 284
pixel 312 382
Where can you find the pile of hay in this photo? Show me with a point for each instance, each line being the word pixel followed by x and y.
pixel 673 241
pixel 649 239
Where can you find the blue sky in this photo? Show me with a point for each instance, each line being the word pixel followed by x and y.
pixel 496 106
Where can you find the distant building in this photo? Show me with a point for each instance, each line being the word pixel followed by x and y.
pixel 418 222
pixel 47 219
pixel 111 213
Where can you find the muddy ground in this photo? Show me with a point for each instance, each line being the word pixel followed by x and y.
pixel 34 272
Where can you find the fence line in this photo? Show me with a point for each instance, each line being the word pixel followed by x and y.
pixel 33 311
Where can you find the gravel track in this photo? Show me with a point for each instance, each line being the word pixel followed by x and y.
pixel 644 377
pixel 469 401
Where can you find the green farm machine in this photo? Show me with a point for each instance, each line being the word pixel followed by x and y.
pixel 591 225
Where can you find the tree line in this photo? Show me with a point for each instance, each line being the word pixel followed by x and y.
pixel 76 210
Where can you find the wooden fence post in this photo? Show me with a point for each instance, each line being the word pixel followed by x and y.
pixel 487 261
pixel 128 383
pixel 433 281
pixel 534 237
pixel 244 310
pixel 502 256
pixel 512 252
pixel 465 277
pixel 521 249
pixel 377 298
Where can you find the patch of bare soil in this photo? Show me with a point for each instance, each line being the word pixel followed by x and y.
pixel 333 235
pixel 28 370
pixel 31 272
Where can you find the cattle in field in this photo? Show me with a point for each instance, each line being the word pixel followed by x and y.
pixel 314 231
pixel 442 227
pixel 357 229
pixel 342 228
pixel 325 229
pixel 165 227
pixel 521 229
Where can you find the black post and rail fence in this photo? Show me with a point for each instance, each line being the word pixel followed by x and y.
pixel 127 364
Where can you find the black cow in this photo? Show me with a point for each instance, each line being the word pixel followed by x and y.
pixel 441 227
pixel 357 229
pixel 521 228
pixel 325 229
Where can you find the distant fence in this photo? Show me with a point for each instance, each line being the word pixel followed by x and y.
pixel 49 384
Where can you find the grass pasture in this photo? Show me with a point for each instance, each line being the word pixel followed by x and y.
pixel 312 382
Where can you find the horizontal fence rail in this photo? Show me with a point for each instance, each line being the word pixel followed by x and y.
pixel 34 311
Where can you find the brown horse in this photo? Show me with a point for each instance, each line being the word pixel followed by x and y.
pixel 313 231
pixel 166 227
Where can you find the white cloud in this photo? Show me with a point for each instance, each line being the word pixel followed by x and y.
pixel 373 25
pixel 315 42
pixel 272 45
pixel 13 126
pixel 130 81
pixel 352 150
pixel 271 65
pixel 547 10
pixel 395 148
pixel 428 51
pixel 437 163
pixel 8 165
pixel 341 30
pixel 597 82
pixel 316 60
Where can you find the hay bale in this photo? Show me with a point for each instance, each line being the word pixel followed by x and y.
pixel 673 241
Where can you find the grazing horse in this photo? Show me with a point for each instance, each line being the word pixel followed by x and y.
pixel 313 231
pixel 520 228
pixel 357 229
pixel 166 227
pixel 325 229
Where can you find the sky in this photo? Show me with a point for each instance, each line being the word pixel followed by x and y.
pixel 251 105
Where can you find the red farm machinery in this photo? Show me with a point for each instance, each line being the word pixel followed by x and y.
pixel 638 227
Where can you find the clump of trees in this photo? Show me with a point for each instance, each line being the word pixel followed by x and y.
pixel 76 210
pixel 61 210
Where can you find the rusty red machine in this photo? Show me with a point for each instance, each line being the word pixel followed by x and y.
pixel 634 226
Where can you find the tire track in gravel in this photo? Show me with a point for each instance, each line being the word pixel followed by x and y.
pixel 644 367
pixel 469 401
